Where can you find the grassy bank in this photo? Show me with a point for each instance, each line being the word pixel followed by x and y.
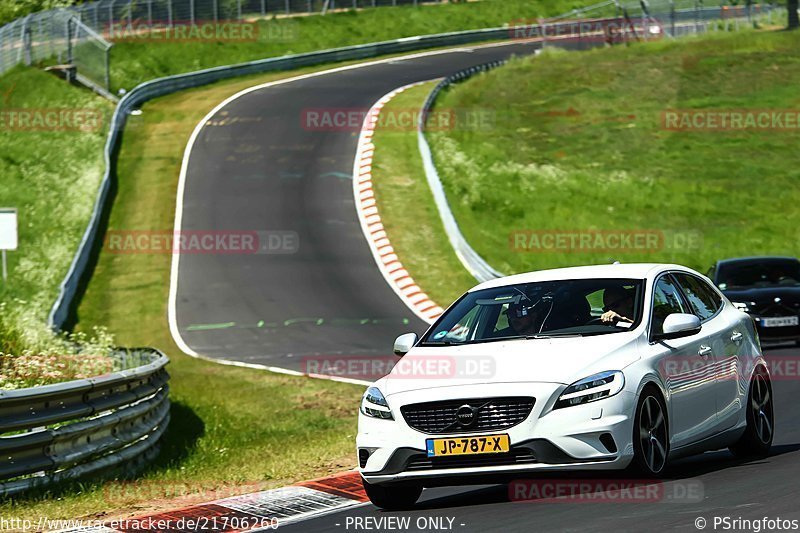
pixel 137 59
pixel 407 209
pixel 579 146
pixel 233 430
pixel 51 164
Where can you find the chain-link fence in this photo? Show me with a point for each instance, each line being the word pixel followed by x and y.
pixel 80 36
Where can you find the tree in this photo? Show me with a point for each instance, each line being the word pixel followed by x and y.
pixel 794 23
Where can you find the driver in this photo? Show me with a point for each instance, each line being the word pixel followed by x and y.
pixel 618 305
pixel 524 318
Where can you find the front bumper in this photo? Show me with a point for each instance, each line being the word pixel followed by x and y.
pixel 561 439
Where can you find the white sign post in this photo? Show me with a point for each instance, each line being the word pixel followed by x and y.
pixel 8 234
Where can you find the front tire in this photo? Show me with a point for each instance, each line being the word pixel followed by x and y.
pixel 650 434
pixel 392 497
pixel 757 438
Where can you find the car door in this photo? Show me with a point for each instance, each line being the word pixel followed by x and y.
pixel 686 367
pixel 725 336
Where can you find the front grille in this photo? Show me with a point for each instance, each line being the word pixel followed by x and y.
pixel 489 414
pixel 515 457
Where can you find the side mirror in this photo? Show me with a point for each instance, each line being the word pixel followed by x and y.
pixel 678 325
pixel 404 343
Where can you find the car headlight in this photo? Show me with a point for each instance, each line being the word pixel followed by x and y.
pixel 742 306
pixel 591 389
pixel 375 405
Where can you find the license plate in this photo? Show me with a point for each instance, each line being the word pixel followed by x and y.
pixel 779 322
pixel 468 445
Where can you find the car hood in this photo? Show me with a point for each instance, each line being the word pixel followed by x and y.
pixel 556 360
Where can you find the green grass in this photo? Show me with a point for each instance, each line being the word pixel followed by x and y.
pixel 133 62
pixel 232 429
pixel 578 146
pixel 407 209
pixel 51 177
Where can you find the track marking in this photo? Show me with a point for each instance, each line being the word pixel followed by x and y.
pixel 388 264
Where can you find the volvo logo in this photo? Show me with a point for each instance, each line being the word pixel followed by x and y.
pixel 466 415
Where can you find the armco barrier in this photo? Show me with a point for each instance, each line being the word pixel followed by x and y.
pixel 70 429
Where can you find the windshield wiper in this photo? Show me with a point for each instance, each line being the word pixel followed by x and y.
pixel 553 335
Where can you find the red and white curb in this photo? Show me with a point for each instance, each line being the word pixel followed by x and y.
pixel 259 511
pixel 389 264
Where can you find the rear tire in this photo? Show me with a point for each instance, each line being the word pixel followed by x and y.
pixel 650 434
pixel 392 497
pixel 757 438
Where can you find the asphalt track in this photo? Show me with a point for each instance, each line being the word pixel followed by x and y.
pixel 729 488
pixel 257 166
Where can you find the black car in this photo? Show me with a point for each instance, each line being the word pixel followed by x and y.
pixel 767 288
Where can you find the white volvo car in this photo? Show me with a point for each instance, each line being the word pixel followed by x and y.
pixel 589 368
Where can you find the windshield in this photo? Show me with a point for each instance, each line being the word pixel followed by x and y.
pixel 541 309
pixel 764 273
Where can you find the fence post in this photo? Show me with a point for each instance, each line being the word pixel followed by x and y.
pixel 27 42
pixel 111 14
pixel 191 12
pixel 309 7
pixel 287 7
pixel 169 13
pixel 69 50
pixel 215 9
pixel 239 9
pixel 107 76
pixel 263 8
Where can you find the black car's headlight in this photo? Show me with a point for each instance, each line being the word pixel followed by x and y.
pixel 591 389
pixel 373 404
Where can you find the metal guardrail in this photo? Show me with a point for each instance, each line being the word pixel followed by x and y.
pixel 70 429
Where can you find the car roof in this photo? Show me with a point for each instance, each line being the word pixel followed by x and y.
pixel 617 270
